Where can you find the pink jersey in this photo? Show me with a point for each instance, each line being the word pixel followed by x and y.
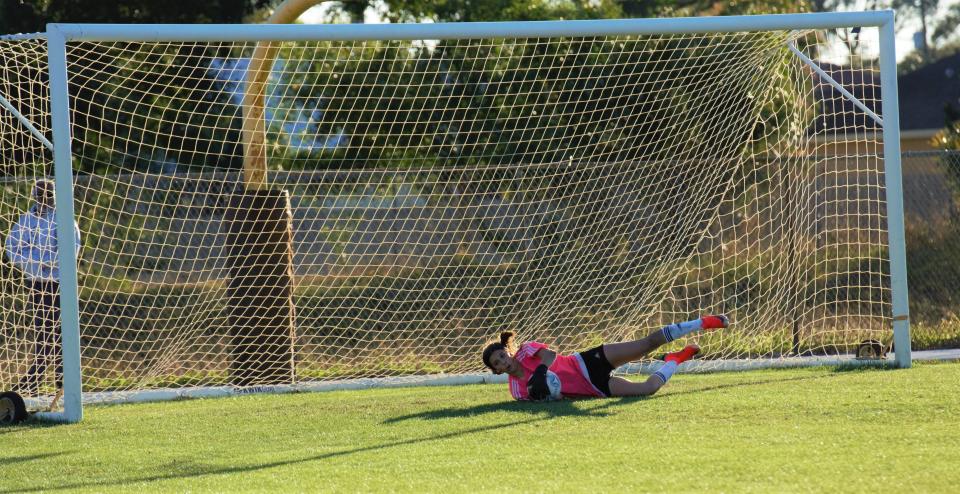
pixel 569 368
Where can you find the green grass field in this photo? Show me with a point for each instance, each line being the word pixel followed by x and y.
pixel 816 429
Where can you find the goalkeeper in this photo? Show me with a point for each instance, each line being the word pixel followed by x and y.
pixel 587 374
pixel 31 247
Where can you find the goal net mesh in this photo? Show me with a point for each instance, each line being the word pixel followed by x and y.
pixel 574 190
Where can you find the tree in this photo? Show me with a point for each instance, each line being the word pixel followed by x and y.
pixel 850 37
pixel 942 40
pixel 934 32
pixel 120 116
pixel 946 27
pixel 529 10
pixel 25 16
pixel 949 138
pixel 168 115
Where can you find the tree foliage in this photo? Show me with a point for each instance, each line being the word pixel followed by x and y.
pixel 949 137
pixel 946 27
pixel 938 31
pixel 505 102
pixel 503 10
pixel 27 16
pixel 922 10
pixel 145 106
pixel 139 106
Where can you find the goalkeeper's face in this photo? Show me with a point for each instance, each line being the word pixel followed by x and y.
pixel 502 362
pixel 44 194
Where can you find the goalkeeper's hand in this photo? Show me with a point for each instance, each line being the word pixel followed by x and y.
pixel 537 387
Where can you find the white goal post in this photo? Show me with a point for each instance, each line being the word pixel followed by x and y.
pixel 434 184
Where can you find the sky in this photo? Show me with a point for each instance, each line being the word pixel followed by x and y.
pixel 905 34
pixel 905 37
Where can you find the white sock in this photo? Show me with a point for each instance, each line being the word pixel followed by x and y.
pixel 679 330
pixel 666 371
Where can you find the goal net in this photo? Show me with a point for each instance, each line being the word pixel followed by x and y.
pixel 576 190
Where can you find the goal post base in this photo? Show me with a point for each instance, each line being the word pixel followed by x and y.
pixel 170 394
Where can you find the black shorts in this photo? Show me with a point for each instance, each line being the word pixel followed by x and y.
pixel 598 368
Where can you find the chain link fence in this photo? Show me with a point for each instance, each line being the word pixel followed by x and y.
pixel 931 185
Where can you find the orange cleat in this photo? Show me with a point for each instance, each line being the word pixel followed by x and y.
pixel 712 323
pixel 682 356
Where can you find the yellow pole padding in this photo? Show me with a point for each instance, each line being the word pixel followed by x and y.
pixel 254 127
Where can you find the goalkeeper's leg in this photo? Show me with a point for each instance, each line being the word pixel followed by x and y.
pixel 622 353
pixel 622 387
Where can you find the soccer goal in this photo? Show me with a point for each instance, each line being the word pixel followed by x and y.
pixel 285 207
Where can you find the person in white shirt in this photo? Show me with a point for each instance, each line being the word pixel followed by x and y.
pixel 31 247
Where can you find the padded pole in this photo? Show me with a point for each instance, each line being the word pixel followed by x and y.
pixel 260 289
pixel 254 125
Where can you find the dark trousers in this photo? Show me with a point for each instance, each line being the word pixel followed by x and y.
pixel 45 308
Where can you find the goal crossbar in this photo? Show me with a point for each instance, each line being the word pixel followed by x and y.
pixel 468 30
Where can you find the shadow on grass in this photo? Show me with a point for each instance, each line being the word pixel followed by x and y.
pixel 538 412
pixel 10 460
pixel 30 424
pixel 868 366
pixel 760 382
pixel 187 471
pixel 545 410
pixel 576 408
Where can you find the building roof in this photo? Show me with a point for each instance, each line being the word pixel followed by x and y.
pixel 925 92
pixel 839 113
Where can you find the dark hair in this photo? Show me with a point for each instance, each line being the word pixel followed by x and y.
pixel 505 343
